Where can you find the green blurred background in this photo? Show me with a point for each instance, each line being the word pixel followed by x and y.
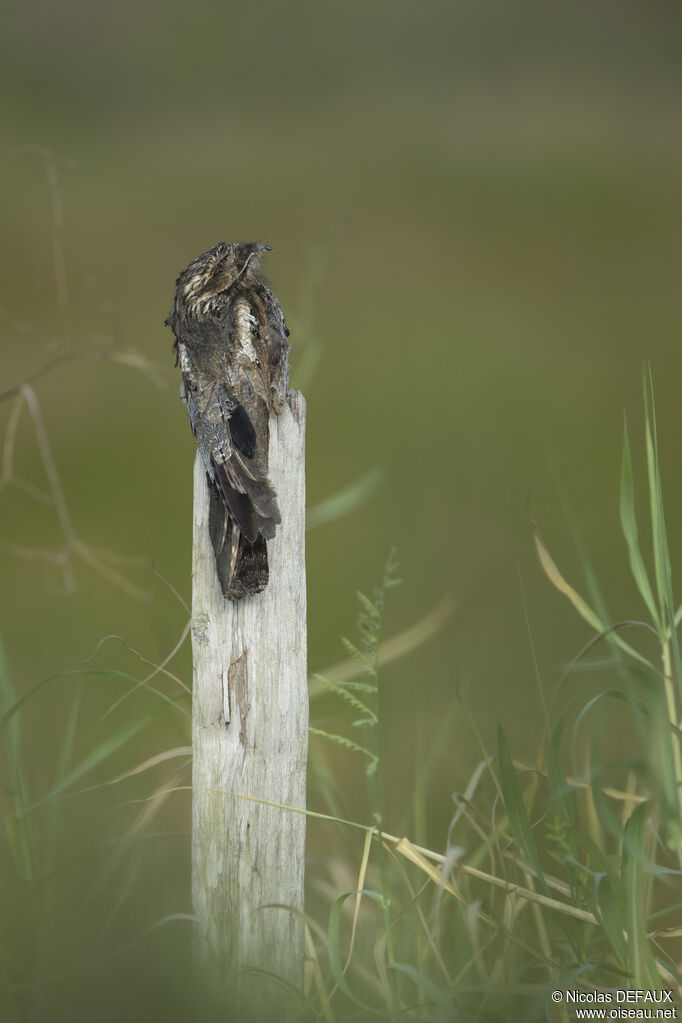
pixel 475 210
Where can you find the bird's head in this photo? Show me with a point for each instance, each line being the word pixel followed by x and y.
pixel 214 273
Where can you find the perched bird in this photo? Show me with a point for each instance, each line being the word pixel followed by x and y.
pixel 231 345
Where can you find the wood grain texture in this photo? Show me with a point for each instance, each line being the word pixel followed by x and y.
pixel 250 738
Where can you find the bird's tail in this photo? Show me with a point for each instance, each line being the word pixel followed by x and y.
pixel 242 566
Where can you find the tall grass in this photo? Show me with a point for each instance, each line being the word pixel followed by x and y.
pixel 558 875
pixel 561 874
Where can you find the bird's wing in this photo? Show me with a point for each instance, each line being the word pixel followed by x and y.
pixel 226 439
pixel 277 348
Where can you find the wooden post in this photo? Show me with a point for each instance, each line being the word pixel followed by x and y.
pixel 250 738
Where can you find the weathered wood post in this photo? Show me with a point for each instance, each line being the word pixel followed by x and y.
pixel 250 741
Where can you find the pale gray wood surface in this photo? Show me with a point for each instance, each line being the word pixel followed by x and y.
pixel 250 735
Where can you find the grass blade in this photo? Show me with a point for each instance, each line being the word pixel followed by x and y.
pixel 581 606
pixel 347 500
pixel 558 581
pixel 96 756
pixel 515 806
pixel 608 910
pixel 334 936
pixel 431 990
pixel 629 523
pixel 661 560
pixel 633 860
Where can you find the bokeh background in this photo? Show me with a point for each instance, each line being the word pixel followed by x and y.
pixel 475 210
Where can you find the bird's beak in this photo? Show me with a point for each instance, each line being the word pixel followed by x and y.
pixel 262 246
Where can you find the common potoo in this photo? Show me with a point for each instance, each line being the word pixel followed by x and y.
pixel 231 345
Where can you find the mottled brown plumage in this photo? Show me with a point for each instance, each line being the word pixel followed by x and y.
pixel 231 345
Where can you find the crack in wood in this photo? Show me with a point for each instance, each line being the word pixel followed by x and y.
pixel 225 715
pixel 238 692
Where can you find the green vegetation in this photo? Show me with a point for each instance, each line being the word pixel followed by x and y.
pixel 581 886
pixel 475 210
pixel 552 877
